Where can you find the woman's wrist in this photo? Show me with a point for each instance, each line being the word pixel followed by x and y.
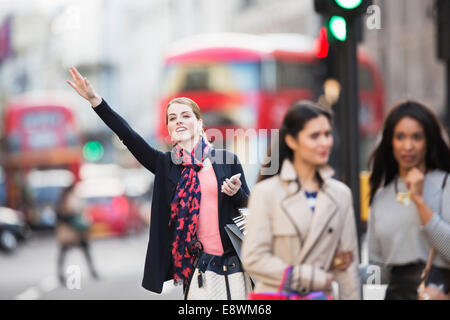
pixel 418 200
pixel 424 211
pixel 95 101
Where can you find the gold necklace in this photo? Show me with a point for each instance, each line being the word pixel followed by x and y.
pixel 403 197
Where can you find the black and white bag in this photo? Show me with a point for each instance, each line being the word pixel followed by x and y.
pixel 218 278
pixel 221 277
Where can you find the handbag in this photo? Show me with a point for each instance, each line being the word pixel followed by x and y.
pixel 284 291
pixel 425 291
pixel 216 277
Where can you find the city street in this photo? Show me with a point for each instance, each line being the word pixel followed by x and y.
pixel 327 121
pixel 30 273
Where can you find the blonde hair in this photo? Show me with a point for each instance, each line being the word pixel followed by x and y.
pixel 194 107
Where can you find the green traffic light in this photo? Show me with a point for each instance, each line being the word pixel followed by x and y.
pixel 338 28
pixel 93 151
pixel 348 4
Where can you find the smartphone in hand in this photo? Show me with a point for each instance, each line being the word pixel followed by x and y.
pixel 235 177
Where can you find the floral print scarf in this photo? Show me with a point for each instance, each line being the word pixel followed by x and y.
pixel 185 208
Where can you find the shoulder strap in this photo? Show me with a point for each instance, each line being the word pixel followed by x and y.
pixel 426 270
pixel 445 181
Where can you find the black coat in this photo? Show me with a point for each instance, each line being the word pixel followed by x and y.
pixel 158 262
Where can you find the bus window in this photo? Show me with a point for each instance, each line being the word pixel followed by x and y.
pixel 43 119
pixel 218 77
pixel 294 75
pixel 364 78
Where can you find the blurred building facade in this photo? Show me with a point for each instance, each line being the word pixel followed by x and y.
pixel 119 46
pixel 405 48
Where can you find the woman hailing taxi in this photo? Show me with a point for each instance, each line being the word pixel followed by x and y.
pixel 299 217
pixel 194 196
pixel 410 201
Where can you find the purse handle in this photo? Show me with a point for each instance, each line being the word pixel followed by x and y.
pixel 426 270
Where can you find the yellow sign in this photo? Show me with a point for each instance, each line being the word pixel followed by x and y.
pixel 364 195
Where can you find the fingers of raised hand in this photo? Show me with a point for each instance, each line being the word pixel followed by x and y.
pixel 71 84
pixel 75 74
pixel 78 80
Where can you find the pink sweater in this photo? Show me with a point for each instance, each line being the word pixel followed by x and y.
pixel 208 224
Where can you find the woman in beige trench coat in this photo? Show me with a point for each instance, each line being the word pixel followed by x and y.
pixel 299 216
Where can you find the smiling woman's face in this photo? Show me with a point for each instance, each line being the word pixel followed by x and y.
pixel 182 123
pixel 313 143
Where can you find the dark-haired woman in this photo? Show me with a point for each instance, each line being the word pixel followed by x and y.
pixel 299 216
pixel 410 200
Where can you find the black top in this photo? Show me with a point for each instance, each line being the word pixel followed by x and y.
pixel 158 262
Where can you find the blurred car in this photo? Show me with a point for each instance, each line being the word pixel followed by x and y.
pixel 108 208
pixel 13 229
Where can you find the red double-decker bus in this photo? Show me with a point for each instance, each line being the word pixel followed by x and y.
pixel 249 81
pixel 41 154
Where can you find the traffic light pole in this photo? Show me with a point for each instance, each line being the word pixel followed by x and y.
pixel 348 116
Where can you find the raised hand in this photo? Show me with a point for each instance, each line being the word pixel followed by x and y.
pixel 83 87
pixel 414 181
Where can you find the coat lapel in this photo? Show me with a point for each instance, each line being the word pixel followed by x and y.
pixel 298 213
pixel 220 175
pixel 175 173
pixel 326 208
pixel 309 226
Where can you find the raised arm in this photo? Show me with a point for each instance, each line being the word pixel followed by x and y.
pixel 140 149
pixel 84 88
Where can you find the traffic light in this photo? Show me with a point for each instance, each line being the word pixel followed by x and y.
pixel 93 151
pixel 321 45
pixel 337 26
pixel 337 15
pixel 343 8
pixel 443 29
pixel 343 21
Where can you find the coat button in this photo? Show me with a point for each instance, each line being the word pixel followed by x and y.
pixel 330 230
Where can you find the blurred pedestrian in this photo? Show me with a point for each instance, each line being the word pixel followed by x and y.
pixel 410 200
pixel 300 216
pixel 197 191
pixel 72 230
